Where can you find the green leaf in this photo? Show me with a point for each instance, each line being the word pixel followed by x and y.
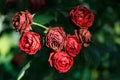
pixel 13 41
pixel 86 74
pixel 92 57
pixel 42 18
pixel 105 60
pixel 100 37
pixel 117 40
pixel 117 28
pixel 4 41
pixel 22 72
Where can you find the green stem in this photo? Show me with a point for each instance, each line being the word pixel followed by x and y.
pixel 40 25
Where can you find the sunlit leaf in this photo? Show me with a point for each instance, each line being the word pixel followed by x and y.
pixel 100 37
pixel 117 40
pixel 95 74
pixel 7 41
pixel 1 22
pixel 117 28
pixel 5 44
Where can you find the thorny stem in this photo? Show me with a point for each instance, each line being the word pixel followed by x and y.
pixel 40 25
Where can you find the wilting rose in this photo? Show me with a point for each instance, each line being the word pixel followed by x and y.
pixel 55 38
pixel 22 21
pixel 30 43
pixel 61 61
pixel 72 45
pixel 85 36
pixel 82 17
pixel 37 5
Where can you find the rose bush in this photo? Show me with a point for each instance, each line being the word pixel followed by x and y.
pixel 30 43
pixel 82 17
pixel 61 61
pixel 55 38
pixel 22 21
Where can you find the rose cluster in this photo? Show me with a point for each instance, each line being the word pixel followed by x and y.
pixel 30 42
pixel 65 46
pixel 83 19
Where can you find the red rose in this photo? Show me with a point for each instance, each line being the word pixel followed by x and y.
pixel 82 17
pixel 85 37
pixel 61 61
pixel 22 21
pixel 55 38
pixel 72 45
pixel 37 5
pixel 30 42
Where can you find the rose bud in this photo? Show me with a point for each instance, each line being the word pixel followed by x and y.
pixel 85 37
pixel 61 61
pixel 30 43
pixel 55 38
pixel 22 21
pixel 37 5
pixel 81 17
pixel 72 45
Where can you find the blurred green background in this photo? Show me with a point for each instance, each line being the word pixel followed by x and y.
pixel 99 61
